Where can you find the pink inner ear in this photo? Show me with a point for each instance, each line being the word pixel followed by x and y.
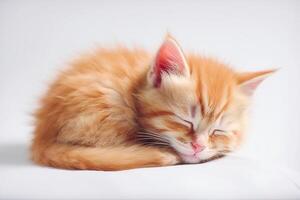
pixel 251 86
pixel 169 59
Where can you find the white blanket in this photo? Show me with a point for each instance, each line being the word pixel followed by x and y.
pixel 231 177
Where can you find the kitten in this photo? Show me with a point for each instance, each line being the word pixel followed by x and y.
pixel 120 109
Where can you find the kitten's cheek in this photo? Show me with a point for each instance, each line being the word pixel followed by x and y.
pixel 237 135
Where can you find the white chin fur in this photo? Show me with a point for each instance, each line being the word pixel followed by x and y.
pixel 190 159
pixel 196 158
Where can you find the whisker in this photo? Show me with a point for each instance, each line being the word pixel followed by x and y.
pixel 155 144
pixel 149 135
pixel 151 143
pixel 150 138
pixel 152 133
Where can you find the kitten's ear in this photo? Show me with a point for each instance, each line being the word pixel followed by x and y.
pixel 249 81
pixel 169 60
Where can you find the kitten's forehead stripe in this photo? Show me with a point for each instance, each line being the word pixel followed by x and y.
pixel 214 82
pixel 227 100
pixel 199 88
pixel 193 111
pixel 157 114
pixel 199 94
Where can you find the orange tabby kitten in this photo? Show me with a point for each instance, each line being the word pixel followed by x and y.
pixel 119 109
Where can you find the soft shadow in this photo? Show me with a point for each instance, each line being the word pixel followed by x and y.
pixel 14 154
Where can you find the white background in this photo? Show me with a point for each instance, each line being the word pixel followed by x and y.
pixel 37 38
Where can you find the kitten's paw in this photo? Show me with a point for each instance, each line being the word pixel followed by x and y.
pixel 169 159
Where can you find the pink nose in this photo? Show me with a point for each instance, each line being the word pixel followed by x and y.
pixel 197 147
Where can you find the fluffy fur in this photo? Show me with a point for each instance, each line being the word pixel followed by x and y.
pixel 124 108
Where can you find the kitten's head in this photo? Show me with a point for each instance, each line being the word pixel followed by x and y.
pixel 195 105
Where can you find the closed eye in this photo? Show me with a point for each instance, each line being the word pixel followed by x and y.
pixel 218 132
pixel 191 126
pixel 188 122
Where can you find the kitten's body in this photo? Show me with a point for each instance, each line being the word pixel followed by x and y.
pixel 95 113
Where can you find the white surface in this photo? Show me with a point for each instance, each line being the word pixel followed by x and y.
pixel 232 177
pixel 38 37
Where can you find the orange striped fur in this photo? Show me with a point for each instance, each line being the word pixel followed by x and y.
pixel 105 113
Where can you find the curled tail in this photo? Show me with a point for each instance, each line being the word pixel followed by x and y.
pixel 70 156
